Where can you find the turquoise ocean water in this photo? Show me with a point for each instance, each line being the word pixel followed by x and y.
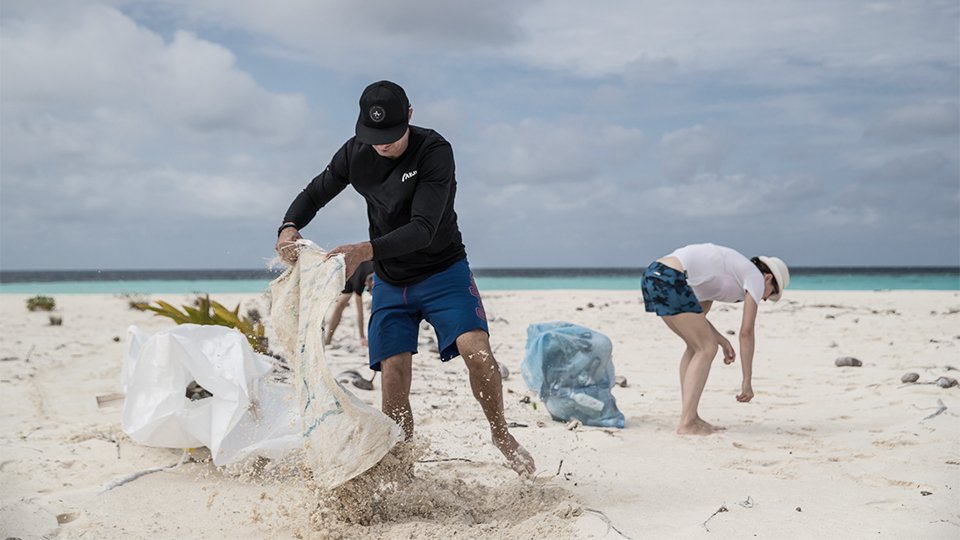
pixel 254 281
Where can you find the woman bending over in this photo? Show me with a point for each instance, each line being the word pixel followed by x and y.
pixel 682 287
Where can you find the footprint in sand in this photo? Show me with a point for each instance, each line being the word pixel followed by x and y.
pixel 745 447
pixel 892 443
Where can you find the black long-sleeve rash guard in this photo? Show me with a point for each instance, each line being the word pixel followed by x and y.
pixel 413 226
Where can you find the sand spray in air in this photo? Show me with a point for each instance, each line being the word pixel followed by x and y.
pixel 430 498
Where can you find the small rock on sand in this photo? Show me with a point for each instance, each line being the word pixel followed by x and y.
pixel 910 377
pixel 504 371
pixel 946 382
pixel 848 361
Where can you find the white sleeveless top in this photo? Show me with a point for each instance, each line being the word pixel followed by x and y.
pixel 720 273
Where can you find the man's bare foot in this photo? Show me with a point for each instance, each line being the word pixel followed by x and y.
pixel 517 456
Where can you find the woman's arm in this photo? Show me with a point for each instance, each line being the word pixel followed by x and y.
pixel 747 342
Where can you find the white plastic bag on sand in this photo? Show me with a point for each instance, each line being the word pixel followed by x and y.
pixel 246 415
pixel 343 436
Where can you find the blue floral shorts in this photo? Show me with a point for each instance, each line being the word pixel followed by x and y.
pixel 666 291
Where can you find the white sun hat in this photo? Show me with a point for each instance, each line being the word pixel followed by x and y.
pixel 780 274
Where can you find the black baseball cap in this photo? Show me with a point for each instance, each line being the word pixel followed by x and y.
pixel 383 113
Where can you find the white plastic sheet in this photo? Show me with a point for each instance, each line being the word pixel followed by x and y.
pixel 343 436
pixel 246 415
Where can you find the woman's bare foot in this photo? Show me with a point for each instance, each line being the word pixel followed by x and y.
pixel 517 456
pixel 710 426
pixel 697 426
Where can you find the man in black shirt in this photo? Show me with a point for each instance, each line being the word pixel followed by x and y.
pixel 406 175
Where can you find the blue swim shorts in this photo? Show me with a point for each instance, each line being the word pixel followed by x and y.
pixel 666 291
pixel 448 300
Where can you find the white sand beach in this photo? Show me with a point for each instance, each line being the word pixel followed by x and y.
pixel 821 452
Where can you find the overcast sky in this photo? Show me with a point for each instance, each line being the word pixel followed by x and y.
pixel 174 134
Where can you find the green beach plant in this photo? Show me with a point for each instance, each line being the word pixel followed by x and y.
pixel 206 311
pixel 41 303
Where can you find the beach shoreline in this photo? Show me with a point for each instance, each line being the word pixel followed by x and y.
pixel 821 451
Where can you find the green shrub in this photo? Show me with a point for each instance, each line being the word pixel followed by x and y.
pixel 206 311
pixel 41 303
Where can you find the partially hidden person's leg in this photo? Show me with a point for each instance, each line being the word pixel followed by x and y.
pixel 334 320
pixel 487 388
pixel 396 373
pixel 358 300
pixel 702 347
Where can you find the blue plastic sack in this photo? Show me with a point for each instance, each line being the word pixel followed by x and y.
pixel 571 369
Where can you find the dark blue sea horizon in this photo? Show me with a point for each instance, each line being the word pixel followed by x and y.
pixel 42 276
pixel 256 280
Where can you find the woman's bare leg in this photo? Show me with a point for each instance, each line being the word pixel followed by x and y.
pixel 695 364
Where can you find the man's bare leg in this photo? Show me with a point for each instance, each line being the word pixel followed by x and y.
pixel 695 365
pixel 395 379
pixel 487 388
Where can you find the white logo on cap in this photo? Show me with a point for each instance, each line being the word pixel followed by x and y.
pixel 377 114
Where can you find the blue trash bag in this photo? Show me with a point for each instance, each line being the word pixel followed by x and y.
pixel 571 369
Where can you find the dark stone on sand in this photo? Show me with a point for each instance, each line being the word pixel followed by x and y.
pixel 910 377
pixel 116 339
pixel 847 361
pixel 925 493
pixel 351 376
pixel 946 382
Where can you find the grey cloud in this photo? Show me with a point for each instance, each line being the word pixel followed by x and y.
pixel 107 127
pixel 915 188
pixel 647 69
pixel 539 152
pixel 374 33
pixel 917 123
pixel 733 195
pixel 99 60
pixel 923 168
pixel 765 41
pixel 686 152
